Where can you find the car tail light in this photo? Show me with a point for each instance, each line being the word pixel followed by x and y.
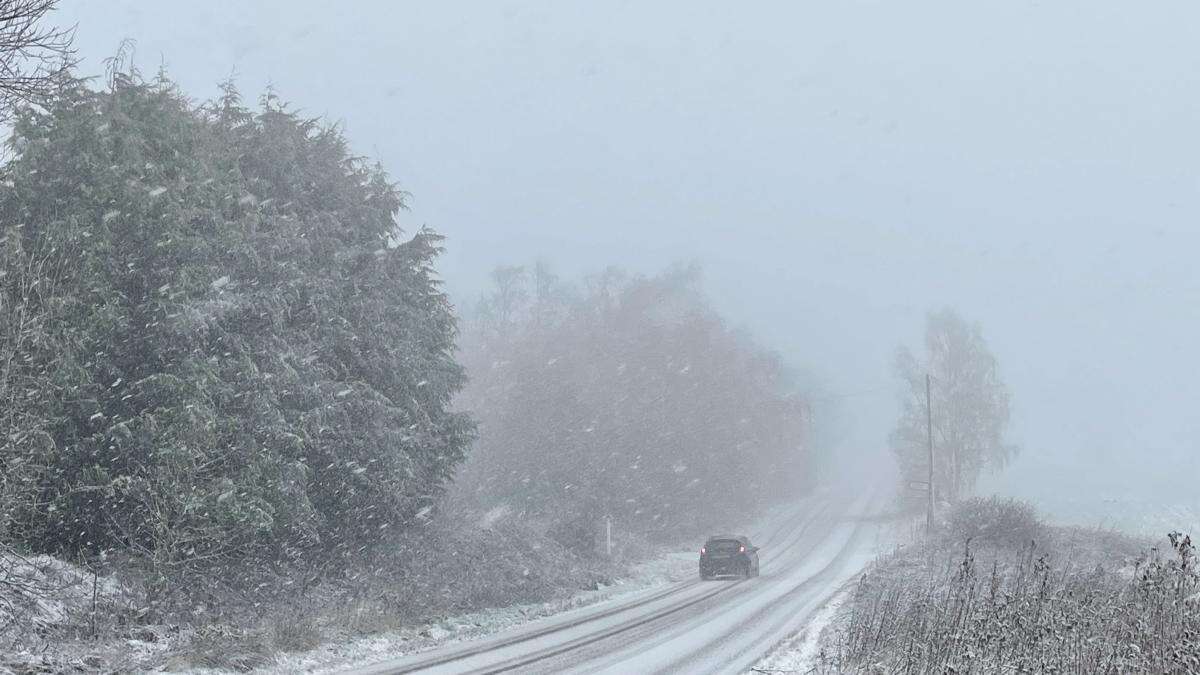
pixel 701 550
pixel 741 549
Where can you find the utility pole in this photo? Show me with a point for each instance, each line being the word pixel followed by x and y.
pixel 608 535
pixel 929 431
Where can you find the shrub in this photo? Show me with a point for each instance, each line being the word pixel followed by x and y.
pixel 295 629
pixel 225 648
pixel 997 521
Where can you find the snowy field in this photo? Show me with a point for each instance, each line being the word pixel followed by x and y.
pixel 1135 516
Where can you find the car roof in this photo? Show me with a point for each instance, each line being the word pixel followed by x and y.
pixel 739 537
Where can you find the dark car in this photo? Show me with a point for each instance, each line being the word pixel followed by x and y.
pixel 728 554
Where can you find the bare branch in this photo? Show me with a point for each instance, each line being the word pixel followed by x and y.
pixel 34 58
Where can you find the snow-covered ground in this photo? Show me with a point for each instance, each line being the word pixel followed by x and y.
pixel 800 652
pixel 681 625
pixel 806 565
pixel 335 657
pixel 41 595
pixel 644 579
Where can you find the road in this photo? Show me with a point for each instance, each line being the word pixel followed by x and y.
pixel 717 626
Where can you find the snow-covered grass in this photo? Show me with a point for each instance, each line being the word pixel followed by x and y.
pixel 39 593
pixel 1077 600
pixel 46 602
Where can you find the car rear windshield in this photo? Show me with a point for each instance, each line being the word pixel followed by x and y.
pixel 724 545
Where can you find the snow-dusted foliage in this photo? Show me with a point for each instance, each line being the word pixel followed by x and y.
pixel 625 397
pixel 1023 597
pixel 221 348
pixel 41 593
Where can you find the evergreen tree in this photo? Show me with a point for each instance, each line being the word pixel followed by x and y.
pixel 237 353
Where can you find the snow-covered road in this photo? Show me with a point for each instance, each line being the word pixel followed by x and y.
pixel 721 626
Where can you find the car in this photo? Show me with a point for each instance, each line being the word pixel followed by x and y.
pixel 725 554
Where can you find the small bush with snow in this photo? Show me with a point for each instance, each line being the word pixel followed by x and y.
pixel 995 521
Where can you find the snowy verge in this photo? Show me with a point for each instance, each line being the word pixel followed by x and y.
pixel 805 650
pixel 50 606
pixel 335 656
pixel 995 589
pixel 802 652
pixel 46 601
pixel 668 566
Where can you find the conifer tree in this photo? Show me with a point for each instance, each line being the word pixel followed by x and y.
pixel 234 352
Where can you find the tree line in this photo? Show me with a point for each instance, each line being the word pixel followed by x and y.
pixel 625 397
pixel 221 351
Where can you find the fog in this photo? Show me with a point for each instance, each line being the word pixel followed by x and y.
pixel 838 169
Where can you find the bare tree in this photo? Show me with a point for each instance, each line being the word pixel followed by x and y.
pixel 970 407
pixel 34 57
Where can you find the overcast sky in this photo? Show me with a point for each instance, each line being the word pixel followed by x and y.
pixel 838 168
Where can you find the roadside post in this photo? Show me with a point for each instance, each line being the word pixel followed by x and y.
pixel 608 536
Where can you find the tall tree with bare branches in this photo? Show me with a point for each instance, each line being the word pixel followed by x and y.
pixel 34 56
pixel 970 407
